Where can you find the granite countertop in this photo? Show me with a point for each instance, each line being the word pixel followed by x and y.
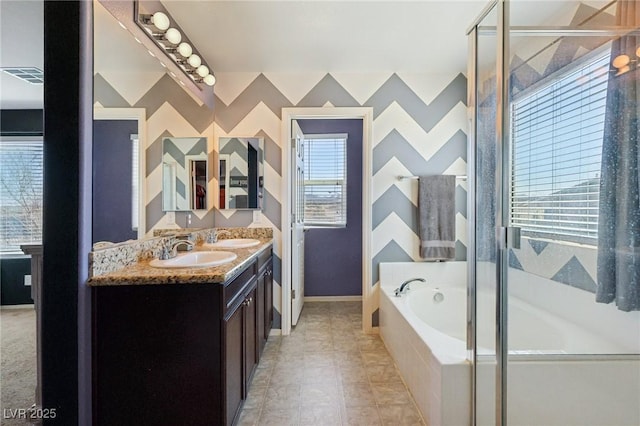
pixel 143 274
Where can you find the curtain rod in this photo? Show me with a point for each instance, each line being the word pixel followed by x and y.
pixel 463 177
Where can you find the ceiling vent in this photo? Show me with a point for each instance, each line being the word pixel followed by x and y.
pixel 31 75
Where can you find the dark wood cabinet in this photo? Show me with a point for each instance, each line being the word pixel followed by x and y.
pixel 265 303
pixel 177 353
pixel 268 299
pixel 261 338
pixel 250 338
pixel 234 364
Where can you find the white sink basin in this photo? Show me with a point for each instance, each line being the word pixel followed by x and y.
pixel 233 243
pixel 198 259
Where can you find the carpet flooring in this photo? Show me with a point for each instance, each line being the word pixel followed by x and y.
pixel 17 362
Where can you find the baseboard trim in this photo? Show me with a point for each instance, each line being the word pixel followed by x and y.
pixel 9 307
pixel 332 299
pixel 275 332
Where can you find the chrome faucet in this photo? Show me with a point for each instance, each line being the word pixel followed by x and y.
pixel 213 235
pixel 170 251
pixel 405 286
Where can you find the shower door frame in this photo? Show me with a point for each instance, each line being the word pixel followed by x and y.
pixel 502 207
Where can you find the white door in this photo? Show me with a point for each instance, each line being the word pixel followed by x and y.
pixel 297 222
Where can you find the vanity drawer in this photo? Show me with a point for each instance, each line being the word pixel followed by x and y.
pixel 234 290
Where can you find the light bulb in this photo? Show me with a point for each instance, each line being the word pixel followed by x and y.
pixel 160 21
pixel 173 36
pixel 194 61
pixel 621 61
pixel 623 70
pixel 202 70
pixel 185 50
pixel 209 80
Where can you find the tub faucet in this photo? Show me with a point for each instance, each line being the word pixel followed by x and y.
pixel 405 286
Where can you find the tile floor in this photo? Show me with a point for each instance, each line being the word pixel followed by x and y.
pixel 328 372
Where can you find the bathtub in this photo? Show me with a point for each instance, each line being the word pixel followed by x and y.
pixel 425 332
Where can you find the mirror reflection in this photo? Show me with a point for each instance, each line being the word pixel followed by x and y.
pixel 184 174
pixel 241 173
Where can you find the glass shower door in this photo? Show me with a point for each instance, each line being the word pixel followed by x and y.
pixel 554 262
pixel 483 248
pixel 572 360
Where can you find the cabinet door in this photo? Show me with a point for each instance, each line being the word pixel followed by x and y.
pixel 260 306
pixel 233 363
pixel 268 299
pixel 250 338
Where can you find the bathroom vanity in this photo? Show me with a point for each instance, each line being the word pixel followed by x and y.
pixel 179 347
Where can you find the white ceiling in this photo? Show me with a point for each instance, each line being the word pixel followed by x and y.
pixel 425 36
pixel 21 45
pixel 346 36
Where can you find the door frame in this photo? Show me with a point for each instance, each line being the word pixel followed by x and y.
pixel 140 115
pixel 366 115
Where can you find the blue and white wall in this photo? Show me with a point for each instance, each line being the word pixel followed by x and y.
pixel 419 128
pixel 170 112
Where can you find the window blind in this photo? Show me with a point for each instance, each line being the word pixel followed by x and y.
pixel 21 164
pixel 325 180
pixel 557 134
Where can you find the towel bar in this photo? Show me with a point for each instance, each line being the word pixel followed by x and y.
pixel 416 177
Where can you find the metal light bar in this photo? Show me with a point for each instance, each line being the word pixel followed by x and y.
pixel 126 13
pixel 192 64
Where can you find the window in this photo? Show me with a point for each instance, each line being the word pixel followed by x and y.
pixel 557 132
pixel 325 180
pixel 20 193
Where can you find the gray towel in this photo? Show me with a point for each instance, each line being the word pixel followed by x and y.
pixel 437 217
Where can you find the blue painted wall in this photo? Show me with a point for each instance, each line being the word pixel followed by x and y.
pixel 112 157
pixel 333 256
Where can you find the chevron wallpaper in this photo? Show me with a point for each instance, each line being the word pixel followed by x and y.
pixel 419 128
pixel 170 112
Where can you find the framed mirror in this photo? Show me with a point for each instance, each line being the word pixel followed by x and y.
pixel 241 166
pixel 184 174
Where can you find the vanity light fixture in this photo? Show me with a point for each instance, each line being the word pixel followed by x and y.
pixel 173 36
pixel 202 71
pixel 158 27
pixel 184 49
pixel 158 20
pixel 623 63
pixel 194 60
pixel 209 80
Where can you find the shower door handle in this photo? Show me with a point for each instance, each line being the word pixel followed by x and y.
pixel 513 237
pixel 508 236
